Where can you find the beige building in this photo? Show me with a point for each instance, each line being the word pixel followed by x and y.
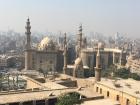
pixel 108 56
pixel 85 62
pixel 46 56
pixel 127 92
pixel 134 64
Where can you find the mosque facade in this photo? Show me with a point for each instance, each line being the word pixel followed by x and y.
pixel 45 57
pixel 89 61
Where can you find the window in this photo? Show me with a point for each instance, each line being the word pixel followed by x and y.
pixel 127 102
pixel 117 97
pixel 51 62
pixel 100 90
pixel 107 93
pixel 96 89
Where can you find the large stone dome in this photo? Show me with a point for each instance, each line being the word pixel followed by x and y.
pixel 46 44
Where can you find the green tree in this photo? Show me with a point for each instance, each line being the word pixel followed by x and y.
pixel 113 72
pixel 122 73
pixel 135 76
pixel 109 71
pixel 69 99
pixel 44 72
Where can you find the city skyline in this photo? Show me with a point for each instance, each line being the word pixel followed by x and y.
pixel 107 17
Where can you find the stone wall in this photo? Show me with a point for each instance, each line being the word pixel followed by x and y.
pixel 116 95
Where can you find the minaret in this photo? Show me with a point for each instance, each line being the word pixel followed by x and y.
pixel 98 66
pixel 28 35
pixel 79 40
pixel 65 54
pixel 28 53
pixel 80 36
pixel 121 53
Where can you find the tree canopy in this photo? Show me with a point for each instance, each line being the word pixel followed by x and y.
pixel 124 73
pixel 69 99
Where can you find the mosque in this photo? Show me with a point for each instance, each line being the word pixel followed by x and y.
pixel 49 58
pixel 45 57
pixel 89 61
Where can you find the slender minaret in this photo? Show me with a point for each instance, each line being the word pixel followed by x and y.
pixel 80 36
pixel 28 53
pixel 28 35
pixel 121 53
pixel 98 66
pixel 79 41
pixel 65 54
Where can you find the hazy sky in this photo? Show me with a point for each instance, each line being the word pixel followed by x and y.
pixel 105 16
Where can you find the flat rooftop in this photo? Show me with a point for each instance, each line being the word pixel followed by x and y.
pixel 24 96
pixel 129 86
pixel 101 102
pixel 29 96
pixel 53 85
pixel 104 50
pixel 39 91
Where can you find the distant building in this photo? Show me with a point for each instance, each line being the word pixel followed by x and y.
pixel 133 63
pixel 3 61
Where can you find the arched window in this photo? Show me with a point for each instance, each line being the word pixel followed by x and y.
pixel 100 90
pixel 107 93
pixel 117 98
pixel 127 102
pixel 97 89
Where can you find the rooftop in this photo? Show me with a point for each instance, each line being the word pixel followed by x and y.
pixel 128 86
pixel 101 102
pixel 38 91
pixel 104 50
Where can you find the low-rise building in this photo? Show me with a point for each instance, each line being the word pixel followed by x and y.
pixel 133 63
pixel 127 92
pixel 3 61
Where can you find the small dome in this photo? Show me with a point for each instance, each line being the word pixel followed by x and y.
pixel 78 61
pixel 78 65
pixel 46 43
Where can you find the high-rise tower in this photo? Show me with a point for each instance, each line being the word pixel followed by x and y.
pixel 98 66
pixel 28 52
pixel 65 54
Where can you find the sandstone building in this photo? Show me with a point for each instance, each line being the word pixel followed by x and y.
pixel 46 57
